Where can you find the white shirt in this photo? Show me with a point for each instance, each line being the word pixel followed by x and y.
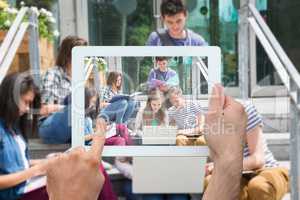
pixel 22 145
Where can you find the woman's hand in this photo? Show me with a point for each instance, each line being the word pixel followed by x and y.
pixel 40 168
pixel 104 104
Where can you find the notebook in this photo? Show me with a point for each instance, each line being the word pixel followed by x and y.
pixel 124 96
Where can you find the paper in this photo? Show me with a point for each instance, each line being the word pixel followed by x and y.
pixel 123 96
pixel 111 131
pixel 35 183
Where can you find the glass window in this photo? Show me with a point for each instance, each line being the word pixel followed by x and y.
pixel 282 18
pixel 216 21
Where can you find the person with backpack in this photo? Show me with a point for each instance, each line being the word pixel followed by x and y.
pixel 174 15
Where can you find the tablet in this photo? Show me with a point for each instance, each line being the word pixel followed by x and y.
pixel 210 56
pixel 135 63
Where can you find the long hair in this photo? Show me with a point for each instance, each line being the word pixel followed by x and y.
pixel 65 50
pixel 154 95
pixel 91 112
pixel 11 90
pixel 112 78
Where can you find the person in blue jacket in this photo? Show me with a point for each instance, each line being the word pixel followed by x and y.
pixel 19 97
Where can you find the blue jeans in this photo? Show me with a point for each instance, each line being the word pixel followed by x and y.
pixel 118 111
pixel 56 128
pixel 130 196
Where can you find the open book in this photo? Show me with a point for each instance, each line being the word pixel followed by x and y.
pixel 35 183
pixel 124 96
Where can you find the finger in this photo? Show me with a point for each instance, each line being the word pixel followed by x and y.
pixel 97 146
pixel 52 155
pixel 77 152
pixel 216 100
pixel 221 95
pixel 101 126
pixel 228 101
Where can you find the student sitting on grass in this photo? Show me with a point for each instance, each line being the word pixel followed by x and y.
pixel 189 118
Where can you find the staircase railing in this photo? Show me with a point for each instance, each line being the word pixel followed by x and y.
pixel 289 76
pixel 13 39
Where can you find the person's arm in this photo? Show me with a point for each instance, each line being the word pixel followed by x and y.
pixel 75 175
pixel 152 81
pixel 103 104
pixel 255 146
pixel 224 132
pixel 11 180
pixel 171 120
pixel 36 161
pixel 225 180
pixel 50 108
pixel 153 40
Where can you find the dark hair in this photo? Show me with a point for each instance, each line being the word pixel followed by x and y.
pixel 65 50
pixel 92 112
pixel 161 58
pixel 155 94
pixel 112 78
pixel 172 7
pixel 12 88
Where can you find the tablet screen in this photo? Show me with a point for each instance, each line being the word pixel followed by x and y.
pixel 147 95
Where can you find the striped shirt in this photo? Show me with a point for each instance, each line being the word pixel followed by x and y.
pixel 185 117
pixel 255 119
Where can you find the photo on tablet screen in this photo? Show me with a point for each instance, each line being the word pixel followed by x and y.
pixel 150 102
pixel 148 96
